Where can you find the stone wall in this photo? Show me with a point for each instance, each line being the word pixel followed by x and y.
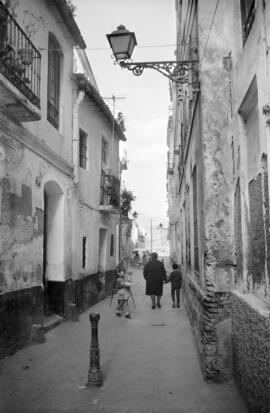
pixel 210 317
pixel 251 351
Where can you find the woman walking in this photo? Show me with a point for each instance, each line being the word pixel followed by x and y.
pixel 154 274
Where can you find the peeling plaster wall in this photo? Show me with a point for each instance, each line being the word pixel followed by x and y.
pixel 208 297
pixel 234 205
pixel 22 179
pixel 36 158
pixel 22 215
pixel 21 220
pixel 250 299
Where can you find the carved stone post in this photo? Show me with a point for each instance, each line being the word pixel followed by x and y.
pixel 94 373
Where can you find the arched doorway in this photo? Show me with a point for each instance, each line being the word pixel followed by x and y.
pixel 53 243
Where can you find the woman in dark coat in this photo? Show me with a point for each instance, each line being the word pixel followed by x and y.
pixel 154 274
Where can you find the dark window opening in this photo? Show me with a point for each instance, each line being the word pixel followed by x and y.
pixel 195 221
pixel 112 246
pixel 54 60
pixel 247 16
pixel 84 239
pixel 104 151
pixel 83 149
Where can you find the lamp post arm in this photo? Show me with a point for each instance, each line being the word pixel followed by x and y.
pixel 176 71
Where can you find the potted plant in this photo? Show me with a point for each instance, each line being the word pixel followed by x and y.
pixel 26 56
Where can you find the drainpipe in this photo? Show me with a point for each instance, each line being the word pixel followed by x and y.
pixel 71 307
pixel 75 137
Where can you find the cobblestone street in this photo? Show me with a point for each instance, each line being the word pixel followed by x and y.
pixel 149 364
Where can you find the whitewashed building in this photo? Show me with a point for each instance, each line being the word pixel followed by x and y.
pixel 59 171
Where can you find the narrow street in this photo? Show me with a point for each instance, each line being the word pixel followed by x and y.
pixel 149 364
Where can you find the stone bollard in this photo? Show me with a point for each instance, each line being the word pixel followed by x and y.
pixel 94 373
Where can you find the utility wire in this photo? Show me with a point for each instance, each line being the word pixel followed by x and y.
pixel 107 48
pixel 212 22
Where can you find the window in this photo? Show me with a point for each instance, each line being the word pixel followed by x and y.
pixel 195 221
pixel 104 150
pixel 84 243
pixel 112 246
pixel 187 227
pixel 54 60
pixel 83 149
pixel 248 16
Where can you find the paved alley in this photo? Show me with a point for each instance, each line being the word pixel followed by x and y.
pixel 149 364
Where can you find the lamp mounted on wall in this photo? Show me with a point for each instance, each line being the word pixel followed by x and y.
pixel 123 42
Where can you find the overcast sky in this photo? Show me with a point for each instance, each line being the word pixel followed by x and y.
pixel 146 98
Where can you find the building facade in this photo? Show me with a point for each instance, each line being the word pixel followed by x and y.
pixel 218 188
pixel 97 195
pixel 59 172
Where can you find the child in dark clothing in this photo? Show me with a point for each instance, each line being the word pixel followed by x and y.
pixel 176 280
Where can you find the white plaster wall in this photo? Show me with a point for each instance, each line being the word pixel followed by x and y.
pixel 42 18
pixel 88 220
pixel 250 65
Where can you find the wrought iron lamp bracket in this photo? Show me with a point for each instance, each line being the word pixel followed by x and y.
pixel 179 72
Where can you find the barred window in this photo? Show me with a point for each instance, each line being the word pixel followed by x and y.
pixel 104 151
pixel 53 88
pixel 195 221
pixel 112 246
pixel 84 243
pixel 248 16
pixel 83 149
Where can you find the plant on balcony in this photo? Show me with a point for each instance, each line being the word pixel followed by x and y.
pixel 126 199
pixel 26 56
pixel 72 7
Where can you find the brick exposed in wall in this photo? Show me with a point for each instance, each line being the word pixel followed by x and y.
pixel 256 262
pixel 251 350
pixel 238 232
pixel 209 315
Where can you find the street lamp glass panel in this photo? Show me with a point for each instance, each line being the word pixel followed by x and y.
pixel 122 43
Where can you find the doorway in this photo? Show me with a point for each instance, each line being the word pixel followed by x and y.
pixel 102 259
pixel 53 244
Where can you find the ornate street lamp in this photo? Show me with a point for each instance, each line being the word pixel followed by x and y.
pixel 123 42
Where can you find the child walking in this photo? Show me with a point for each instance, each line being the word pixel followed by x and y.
pixel 123 284
pixel 176 280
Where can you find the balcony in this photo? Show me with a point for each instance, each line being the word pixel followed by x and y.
pixel 109 194
pixel 20 64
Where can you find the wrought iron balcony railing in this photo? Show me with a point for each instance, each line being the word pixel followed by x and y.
pixel 110 191
pixel 20 61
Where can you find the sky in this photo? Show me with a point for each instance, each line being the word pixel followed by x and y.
pixel 144 100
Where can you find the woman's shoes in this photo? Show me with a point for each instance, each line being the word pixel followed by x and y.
pixel 173 306
pixel 158 305
pixel 153 307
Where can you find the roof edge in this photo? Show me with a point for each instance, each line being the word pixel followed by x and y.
pixel 92 92
pixel 66 14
